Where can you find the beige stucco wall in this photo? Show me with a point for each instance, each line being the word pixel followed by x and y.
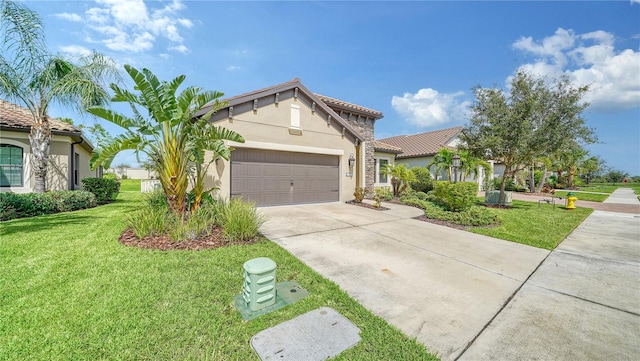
pixel 59 162
pixel 270 128
pixel 382 155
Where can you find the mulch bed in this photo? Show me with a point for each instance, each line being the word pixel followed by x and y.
pixel 440 222
pixel 370 206
pixel 164 242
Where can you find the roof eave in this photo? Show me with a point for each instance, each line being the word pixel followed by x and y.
pixel 248 97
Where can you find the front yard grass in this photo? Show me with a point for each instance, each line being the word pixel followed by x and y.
pixel 71 291
pixel 543 228
pixel 130 185
pixel 583 196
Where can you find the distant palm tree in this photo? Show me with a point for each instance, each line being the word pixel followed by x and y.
pixel 443 160
pixel 33 77
pixel 470 165
pixel 173 138
pixel 401 176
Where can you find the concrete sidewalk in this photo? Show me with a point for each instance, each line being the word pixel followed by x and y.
pixel 623 196
pixel 437 284
pixel 582 303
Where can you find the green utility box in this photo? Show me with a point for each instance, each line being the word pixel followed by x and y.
pixel 259 289
pixel 493 197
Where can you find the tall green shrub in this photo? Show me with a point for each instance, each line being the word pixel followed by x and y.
pixel 422 181
pixel 456 196
pixel 104 189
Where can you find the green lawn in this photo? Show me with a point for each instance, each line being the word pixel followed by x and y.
pixel 544 228
pixel 583 196
pixel 70 291
pixel 600 187
pixel 130 185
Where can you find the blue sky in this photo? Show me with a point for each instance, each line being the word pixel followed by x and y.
pixel 414 61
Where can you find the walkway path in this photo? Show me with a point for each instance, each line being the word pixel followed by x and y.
pixel 583 301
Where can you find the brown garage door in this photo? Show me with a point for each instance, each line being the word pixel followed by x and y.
pixel 275 178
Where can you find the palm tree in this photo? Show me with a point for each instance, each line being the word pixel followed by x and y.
pixel 470 165
pixel 443 160
pixel 172 138
pixel 569 159
pixel 401 176
pixel 31 76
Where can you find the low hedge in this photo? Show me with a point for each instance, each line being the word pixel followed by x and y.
pixel 13 205
pixel 456 196
pixel 105 189
pixel 475 216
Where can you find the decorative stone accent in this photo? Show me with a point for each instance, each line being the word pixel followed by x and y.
pixel 366 130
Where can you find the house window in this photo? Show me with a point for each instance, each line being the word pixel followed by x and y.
pixel 10 166
pixel 76 161
pixel 381 177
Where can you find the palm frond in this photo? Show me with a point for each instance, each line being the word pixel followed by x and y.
pixel 115 118
pixel 104 155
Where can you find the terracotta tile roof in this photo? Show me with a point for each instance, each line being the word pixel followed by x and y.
pixel 423 144
pixel 16 117
pixel 384 147
pixel 348 106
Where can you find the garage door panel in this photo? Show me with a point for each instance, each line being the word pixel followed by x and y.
pixel 265 177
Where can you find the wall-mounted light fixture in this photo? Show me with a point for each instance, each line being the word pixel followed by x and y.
pixel 352 162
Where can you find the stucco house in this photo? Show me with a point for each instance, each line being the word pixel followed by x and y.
pixel 300 147
pixel 418 150
pixel 69 156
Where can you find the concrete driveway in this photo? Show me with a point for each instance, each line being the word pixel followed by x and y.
pixel 437 284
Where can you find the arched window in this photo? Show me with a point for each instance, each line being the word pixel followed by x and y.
pixel 10 166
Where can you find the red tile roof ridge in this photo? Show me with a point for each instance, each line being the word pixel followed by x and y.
pixel 19 117
pixel 330 100
pixel 423 144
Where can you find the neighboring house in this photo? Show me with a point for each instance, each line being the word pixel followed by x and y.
pixel 418 150
pixel 300 147
pixel 68 160
pixel 385 154
pixel 132 173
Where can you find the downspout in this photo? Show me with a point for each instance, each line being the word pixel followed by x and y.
pixel 73 165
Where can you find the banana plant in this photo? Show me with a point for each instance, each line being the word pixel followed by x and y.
pixel 165 135
pixel 207 137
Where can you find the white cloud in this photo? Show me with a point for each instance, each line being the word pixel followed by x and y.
pixel 132 26
pixel 70 17
pixel 428 107
pixel 180 48
pixel 588 59
pixel 635 1
pixel 75 51
pixel 233 68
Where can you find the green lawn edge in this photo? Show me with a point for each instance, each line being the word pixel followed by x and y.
pixel 71 291
pixel 541 227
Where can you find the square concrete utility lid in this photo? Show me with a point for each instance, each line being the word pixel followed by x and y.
pixel 316 335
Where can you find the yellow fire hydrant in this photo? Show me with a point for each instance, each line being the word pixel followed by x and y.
pixel 571 200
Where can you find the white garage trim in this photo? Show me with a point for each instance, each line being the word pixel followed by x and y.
pixel 286 147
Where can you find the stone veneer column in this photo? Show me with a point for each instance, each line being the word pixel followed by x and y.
pixel 365 128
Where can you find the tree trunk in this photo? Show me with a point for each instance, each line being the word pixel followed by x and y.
pixel 40 140
pixel 544 177
pixel 503 185
pixel 532 179
pixel 570 178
